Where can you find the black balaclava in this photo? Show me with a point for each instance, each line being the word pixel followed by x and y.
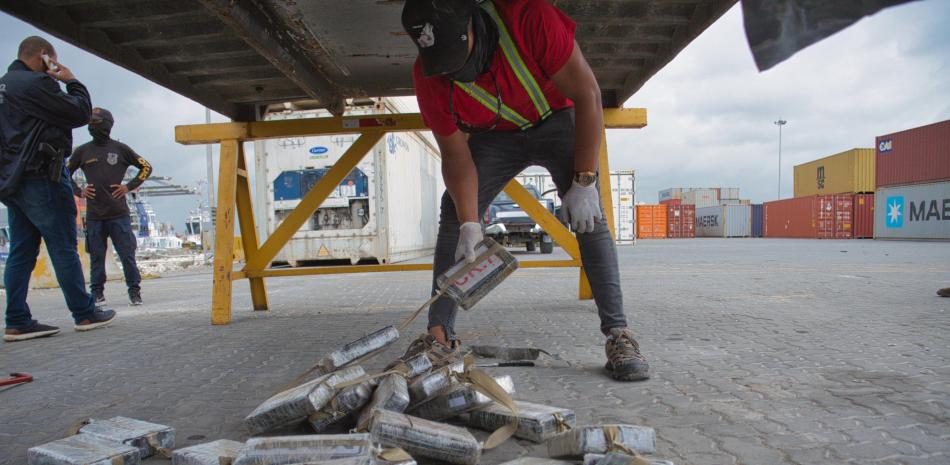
pixel 486 42
pixel 100 125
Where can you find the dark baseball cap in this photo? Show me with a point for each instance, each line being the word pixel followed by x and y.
pixel 439 28
pixel 101 114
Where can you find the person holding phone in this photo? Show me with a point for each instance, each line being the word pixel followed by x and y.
pixel 36 122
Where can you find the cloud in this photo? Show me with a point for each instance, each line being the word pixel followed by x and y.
pixel 711 113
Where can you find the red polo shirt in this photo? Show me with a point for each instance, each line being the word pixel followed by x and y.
pixel 544 36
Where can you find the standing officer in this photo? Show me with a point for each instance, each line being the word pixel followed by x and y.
pixel 500 84
pixel 104 161
pixel 36 122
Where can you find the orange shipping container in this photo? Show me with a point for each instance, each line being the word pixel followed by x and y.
pixel 651 221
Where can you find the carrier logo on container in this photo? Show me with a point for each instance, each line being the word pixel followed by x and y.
pixel 895 212
pixel 393 141
pixel 318 150
pixel 885 146
pixel 708 221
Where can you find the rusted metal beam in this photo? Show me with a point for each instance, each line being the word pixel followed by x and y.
pixel 57 22
pixel 268 35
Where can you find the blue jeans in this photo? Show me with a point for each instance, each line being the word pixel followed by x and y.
pixel 42 209
pixel 499 157
pixel 98 233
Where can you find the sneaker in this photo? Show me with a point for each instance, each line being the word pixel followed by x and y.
pixel 98 319
pixel 36 331
pixel 99 298
pixel 135 297
pixel 945 292
pixel 624 360
pixel 439 353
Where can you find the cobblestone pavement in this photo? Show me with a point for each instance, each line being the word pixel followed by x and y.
pixel 763 351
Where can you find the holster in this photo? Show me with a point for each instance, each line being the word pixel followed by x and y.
pixel 54 160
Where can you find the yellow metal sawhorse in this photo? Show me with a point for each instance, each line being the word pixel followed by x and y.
pixel 234 197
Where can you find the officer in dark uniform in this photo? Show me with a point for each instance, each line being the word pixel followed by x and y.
pixel 36 122
pixel 104 161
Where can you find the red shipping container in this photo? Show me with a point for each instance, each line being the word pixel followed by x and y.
pixel 914 156
pixel 834 216
pixel 863 224
pixel 671 202
pixel 681 221
pixel 791 218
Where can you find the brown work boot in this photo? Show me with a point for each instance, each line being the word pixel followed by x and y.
pixel 945 292
pixel 624 360
pixel 439 354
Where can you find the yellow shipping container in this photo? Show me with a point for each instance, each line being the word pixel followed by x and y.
pixel 850 171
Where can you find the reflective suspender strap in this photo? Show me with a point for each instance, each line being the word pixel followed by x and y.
pixel 517 64
pixel 491 102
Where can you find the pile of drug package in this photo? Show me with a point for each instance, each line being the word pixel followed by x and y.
pixel 392 417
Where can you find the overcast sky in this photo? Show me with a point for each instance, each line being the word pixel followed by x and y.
pixel 710 111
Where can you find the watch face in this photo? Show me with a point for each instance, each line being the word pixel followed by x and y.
pixel 585 179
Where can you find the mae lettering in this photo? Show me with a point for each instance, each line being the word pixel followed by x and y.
pixel 3 90
pixel 473 277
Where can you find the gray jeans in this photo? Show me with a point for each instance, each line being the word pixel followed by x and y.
pixel 499 157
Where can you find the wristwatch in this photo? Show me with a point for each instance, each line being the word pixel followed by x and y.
pixel 585 178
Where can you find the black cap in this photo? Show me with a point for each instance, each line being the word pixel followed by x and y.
pixel 439 28
pixel 101 114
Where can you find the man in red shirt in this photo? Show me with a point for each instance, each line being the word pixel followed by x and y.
pixel 500 84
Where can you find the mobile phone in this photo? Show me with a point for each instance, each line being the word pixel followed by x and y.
pixel 49 62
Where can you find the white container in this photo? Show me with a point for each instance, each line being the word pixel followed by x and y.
pixel 673 193
pixel 724 221
pixel 622 188
pixel 919 211
pixel 701 198
pixel 391 217
pixel 729 193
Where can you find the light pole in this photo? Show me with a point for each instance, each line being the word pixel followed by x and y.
pixel 781 122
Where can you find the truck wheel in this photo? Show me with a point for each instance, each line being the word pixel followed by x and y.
pixel 529 245
pixel 547 247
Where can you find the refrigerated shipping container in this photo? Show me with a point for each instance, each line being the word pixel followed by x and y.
pixel 701 198
pixel 796 217
pixel 914 156
pixel 386 209
pixel 623 190
pixel 845 172
pixel 835 216
pixel 756 220
pixel 919 211
pixel 863 225
pixel 651 221
pixel 680 221
pixel 724 221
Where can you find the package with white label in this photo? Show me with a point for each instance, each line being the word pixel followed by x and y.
pixel 358 349
pixel 470 287
pixel 148 438
pixel 536 422
pixel 285 450
pixel 392 393
pixel 424 438
pixel 615 458
pixel 458 400
pixel 83 449
pixel 220 452
pixel 296 404
pixel 414 367
pixel 432 384
pixel 601 439
pixel 345 403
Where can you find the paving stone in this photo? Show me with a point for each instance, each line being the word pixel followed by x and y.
pixel 757 347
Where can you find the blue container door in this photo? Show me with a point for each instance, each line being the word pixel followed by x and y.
pixel 757 220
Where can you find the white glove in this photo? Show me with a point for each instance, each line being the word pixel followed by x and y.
pixel 470 234
pixel 581 207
